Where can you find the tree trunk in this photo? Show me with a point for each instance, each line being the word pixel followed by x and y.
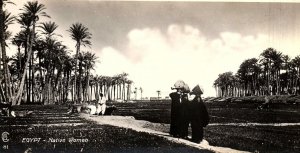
pixel 17 98
pixel 114 91
pixel 128 91
pixel 87 83
pixel 32 78
pixel 108 92
pixel 7 89
pixel 123 93
pixel 2 92
pixel 75 70
pixel 80 91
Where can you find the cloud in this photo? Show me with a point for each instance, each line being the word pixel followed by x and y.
pixel 144 42
pixel 155 59
pixel 111 62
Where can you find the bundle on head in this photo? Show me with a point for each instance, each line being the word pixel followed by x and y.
pixel 197 90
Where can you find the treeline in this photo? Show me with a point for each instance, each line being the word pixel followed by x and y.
pixel 42 70
pixel 273 73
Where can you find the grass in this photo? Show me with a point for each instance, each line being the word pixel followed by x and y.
pixel 261 139
pixel 251 138
pixel 101 138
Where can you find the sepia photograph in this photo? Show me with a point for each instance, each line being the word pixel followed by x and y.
pixel 197 76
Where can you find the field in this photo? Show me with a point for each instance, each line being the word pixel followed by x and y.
pixel 237 125
pixel 51 129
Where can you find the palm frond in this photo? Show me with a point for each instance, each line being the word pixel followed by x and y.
pixel 80 34
pixel 24 19
pixel 8 2
pixel 34 10
pixel 48 28
pixel 8 19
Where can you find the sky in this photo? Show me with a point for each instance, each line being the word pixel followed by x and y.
pixel 158 43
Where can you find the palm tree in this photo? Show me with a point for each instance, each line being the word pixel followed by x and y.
pixel 272 62
pixel 286 67
pixel 108 82
pixel 4 21
pixel 89 60
pixel 25 34
pixel 158 94
pixel 34 10
pixel 135 93
pixel 26 22
pixel 7 20
pixel 80 75
pixel 129 82
pixel 216 86
pixel 277 62
pixel 225 82
pixel 141 89
pixel 248 73
pixel 266 63
pixel 296 68
pixel 68 65
pixel 48 58
pixel 19 40
pixel 48 29
pixel 80 34
pixel 59 60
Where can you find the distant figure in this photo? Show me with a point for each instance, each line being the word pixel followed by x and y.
pixel 6 109
pixel 92 109
pixel 175 108
pixel 110 110
pixel 199 115
pixel 101 106
pixel 266 104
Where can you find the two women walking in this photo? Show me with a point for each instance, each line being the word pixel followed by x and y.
pixel 185 112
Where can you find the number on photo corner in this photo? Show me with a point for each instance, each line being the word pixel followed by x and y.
pixel 5 147
pixel 5 136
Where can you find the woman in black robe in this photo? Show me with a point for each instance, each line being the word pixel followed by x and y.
pixel 199 115
pixel 175 113
pixel 179 110
pixel 184 116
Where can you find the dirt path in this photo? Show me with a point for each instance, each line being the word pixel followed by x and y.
pixel 158 129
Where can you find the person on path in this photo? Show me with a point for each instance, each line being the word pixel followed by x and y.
pixel 199 115
pixel 175 108
pixel 101 106
pixel 92 109
pixel 185 114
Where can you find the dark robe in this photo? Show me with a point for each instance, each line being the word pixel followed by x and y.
pixel 199 118
pixel 184 116
pixel 175 114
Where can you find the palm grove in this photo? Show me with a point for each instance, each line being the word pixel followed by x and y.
pixel 273 73
pixel 42 70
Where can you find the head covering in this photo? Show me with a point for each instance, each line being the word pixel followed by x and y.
pixel 186 88
pixel 179 84
pixel 197 90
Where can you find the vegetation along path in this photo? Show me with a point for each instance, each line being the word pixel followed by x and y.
pixel 51 129
pixel 159 129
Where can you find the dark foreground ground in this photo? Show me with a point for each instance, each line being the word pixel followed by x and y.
pixel 51 129
pixel 254 138
pixel 52 123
